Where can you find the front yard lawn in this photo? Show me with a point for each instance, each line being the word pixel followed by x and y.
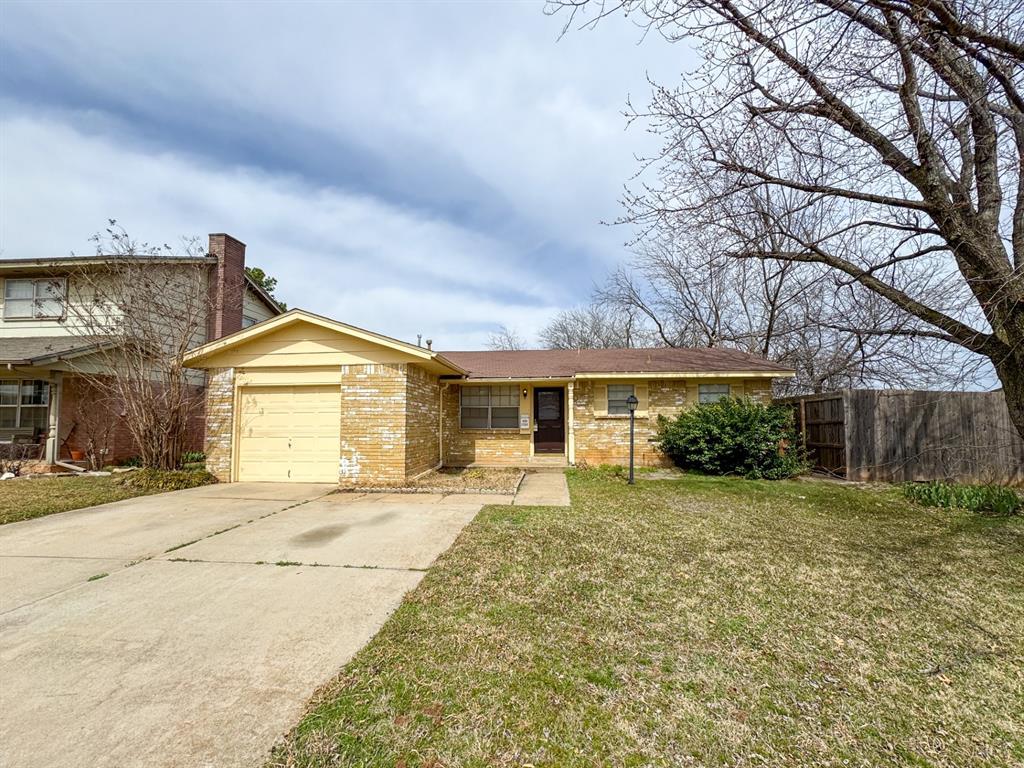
pixel 25 498
pixel 695 621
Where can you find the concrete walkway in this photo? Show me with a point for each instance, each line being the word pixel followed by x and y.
pixel 223 609
pixel 543 489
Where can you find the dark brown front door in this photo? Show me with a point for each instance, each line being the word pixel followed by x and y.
pixel 549 416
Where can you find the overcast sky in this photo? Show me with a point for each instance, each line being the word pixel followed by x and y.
pixel 410 167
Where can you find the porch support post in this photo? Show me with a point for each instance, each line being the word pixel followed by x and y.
pixel 53 432
pixel 569 421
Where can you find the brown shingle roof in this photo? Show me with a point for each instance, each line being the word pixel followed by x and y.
pixel 565 363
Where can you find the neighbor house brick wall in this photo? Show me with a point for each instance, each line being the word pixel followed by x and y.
pixel 220 404
pixel 373 398
pixel 605 439
pixel 86 414
pixel 493 447
pixel 422 411
pixel 90 412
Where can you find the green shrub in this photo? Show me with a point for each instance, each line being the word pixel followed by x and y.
pixel 991 499
pixel 157 480
pixel 131 461
pixel 733 437
pixel 193 457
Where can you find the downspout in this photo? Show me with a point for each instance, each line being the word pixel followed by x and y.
pixel 440 424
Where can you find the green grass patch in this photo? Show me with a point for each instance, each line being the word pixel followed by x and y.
pixel 26 498
pixel 695 621
pixel 988 499
pixel 98 576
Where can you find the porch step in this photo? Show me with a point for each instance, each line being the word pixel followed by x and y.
pixel 547 461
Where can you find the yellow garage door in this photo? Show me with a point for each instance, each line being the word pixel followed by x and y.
pixel 289 434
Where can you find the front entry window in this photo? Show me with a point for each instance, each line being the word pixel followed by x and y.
pixel 489 407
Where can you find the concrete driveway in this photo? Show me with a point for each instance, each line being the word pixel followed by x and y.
pixel 224 608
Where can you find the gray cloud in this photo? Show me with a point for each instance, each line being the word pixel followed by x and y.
pixel 411 168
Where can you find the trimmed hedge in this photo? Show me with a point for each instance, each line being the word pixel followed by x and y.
pixel 734 436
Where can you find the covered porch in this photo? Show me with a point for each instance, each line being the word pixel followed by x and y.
pixel 44 406
pixel 507 422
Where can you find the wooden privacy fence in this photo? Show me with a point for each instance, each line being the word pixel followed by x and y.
pixel 898 435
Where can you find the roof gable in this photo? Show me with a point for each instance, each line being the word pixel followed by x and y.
pixel 300 338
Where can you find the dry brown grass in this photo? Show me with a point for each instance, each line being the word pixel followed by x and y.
pixel 696 621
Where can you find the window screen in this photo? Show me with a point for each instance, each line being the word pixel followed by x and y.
pixel 709 393
pixel 489 407
pixel 31 298
pixel 617 396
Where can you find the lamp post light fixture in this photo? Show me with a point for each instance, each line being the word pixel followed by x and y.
pixel 631 403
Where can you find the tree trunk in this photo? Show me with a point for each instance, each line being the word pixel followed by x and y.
pixel 1011 373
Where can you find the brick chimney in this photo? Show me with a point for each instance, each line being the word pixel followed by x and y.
pixel 227 286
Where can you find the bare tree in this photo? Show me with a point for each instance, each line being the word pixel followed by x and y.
pixel 506 338
pixel 687 293
pixel 899 122
pixel 598 325
pixel 145 307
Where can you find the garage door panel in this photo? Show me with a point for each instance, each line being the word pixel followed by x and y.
pixel 289 433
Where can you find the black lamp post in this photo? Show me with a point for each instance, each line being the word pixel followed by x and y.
pixel 631 403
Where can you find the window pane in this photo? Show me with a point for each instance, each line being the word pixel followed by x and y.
pixel 34 393
pixel 18 289
pixel 18 307
pixel 49 297
pixel 8 393
pixel 617 396
pixel 506 396
pixel 619 391
pixel 476 397
pixel 505 418
pixel 474 418
pixel 710 393
pixel 8 416
pixel 33 417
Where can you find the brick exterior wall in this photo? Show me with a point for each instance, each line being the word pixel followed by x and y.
pixel 422 437
pixel 226 286
pixel 605 439
pixel 372 424
pixel 758 389
pixel 87 414
pixel 220 404
pixel 494 447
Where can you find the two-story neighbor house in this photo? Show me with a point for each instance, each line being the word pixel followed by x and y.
pixel 40 393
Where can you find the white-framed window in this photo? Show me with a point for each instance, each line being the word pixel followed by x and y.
pixel 489 407
pixel 710 393
pixel 34 298
pixel 618 394
pixel 248 321
pixel 24 404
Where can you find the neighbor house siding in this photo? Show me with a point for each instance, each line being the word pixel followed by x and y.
pixel 254 307
pixel 220 404
pixel 494 447
pixel 422 409
pixel 373 424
